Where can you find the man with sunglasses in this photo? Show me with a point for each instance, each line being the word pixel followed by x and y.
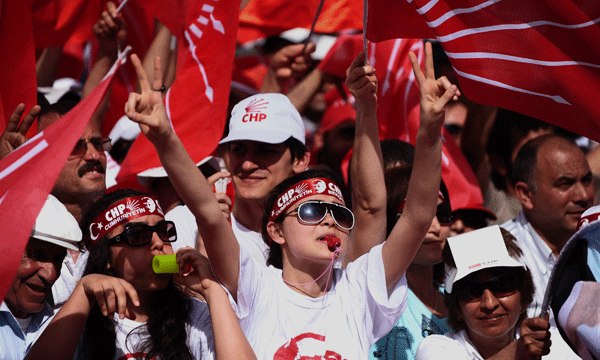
pixel 264 146
pixel 81 179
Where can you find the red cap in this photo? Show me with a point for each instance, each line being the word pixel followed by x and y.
pixel 336 114
pixel 489 213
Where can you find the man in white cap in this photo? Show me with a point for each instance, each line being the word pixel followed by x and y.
pixel 24 313
pixel 265 145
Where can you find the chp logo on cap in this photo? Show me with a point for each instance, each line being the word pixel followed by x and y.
pixel 122 211
pixel 303 189
pixel 254 110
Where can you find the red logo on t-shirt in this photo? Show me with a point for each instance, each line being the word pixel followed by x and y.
pixel 291 351
pixel 137 355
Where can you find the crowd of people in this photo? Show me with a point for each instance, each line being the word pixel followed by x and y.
pixel 306 234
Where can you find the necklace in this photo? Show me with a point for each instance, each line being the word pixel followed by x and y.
pixel 328 269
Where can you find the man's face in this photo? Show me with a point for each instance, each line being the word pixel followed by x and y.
pixel 82 176
pixel 564 188
pixel 37 272
pixel 257 167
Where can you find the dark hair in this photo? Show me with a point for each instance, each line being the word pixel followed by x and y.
pixel 61 108
pixel 526 160
pixel 526 286
pixel 396 152
pixel 169 308
pixel 396 184
pixel 275 253
pixel 509 126
pixel 297 148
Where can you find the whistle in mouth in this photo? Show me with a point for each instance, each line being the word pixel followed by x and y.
pixel 333 242
pixel 165 264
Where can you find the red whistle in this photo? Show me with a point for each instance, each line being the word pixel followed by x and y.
pixel 333 242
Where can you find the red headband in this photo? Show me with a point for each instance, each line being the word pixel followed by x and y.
pixel 123 211
pixel 303 189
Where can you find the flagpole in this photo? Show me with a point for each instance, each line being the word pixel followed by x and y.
pixel 365 14
pixel 312 28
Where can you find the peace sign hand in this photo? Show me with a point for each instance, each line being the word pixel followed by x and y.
pixel 435 94
pixel 147 108
pixel 14 134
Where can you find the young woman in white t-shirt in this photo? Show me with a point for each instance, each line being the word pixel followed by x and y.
pixel 300 306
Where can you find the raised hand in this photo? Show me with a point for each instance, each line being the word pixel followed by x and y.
pixel 535 339
pixel 111 293
pixel 14 134
pixel 200 279
pixel 222 198
pixel 147 108
pixel 110 29
pixel 435 94
pixel 361 81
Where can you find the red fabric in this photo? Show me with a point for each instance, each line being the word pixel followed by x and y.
pixel 541 60
pixel 249 71
pixel 28 174
pixel 57 22
pixel 17 58
pixel 261 19
pixel 198 112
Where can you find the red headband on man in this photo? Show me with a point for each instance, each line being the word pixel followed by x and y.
pixel 123 211
pixel 303 189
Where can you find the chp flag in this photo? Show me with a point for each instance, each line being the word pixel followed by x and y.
pixel 28 174
pixel 197 101
pixel 539 58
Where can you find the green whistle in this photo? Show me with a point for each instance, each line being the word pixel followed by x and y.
pixel 165 264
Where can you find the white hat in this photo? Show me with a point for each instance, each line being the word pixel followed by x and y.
pixel 477 250
pixel 56 225
pixel 124 129
pixel 267 118
pixel 145 177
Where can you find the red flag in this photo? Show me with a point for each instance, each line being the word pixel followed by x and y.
pixel 265 18
pixel 537 58
pixel 17 58
pixel 197 101
pixel 28 174
pixel 57 22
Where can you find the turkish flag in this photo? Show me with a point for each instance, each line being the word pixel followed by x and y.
pixel 539 58
pixel 28 174
pixel 17 58
pixel 264 18
pixel 398 104
pixel 197 101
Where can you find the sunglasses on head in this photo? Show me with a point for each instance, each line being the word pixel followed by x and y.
pixel 443 213
pixel 140 234
pixel 313 212
pixel 501 286
pixel 100 143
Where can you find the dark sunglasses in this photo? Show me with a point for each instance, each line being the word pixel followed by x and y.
pixel 501 286
pixel 443 213
pixel 313 212
pixel 140 234
pixel 100 143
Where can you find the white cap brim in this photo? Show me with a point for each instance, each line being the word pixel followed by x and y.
pixel 264 135
pixel 55 240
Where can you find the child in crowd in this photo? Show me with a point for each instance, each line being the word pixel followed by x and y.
pixel 299 306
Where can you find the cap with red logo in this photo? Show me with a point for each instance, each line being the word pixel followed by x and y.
pixel 268 118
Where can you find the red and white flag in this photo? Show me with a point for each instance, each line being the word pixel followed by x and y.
pixel 197 101
pixel 398 104
pixel 539 58
pixel 28 174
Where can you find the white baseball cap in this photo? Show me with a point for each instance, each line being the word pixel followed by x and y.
pixel 145 177
pixel 56 225
pixel 267 118
pixel 477 250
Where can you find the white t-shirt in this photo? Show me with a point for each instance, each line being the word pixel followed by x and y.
pixel 281 323
pixel 186 226
pixel 70 274
pixel 537 256
pixel 458 346
pixel 251 241
pixel 200 340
